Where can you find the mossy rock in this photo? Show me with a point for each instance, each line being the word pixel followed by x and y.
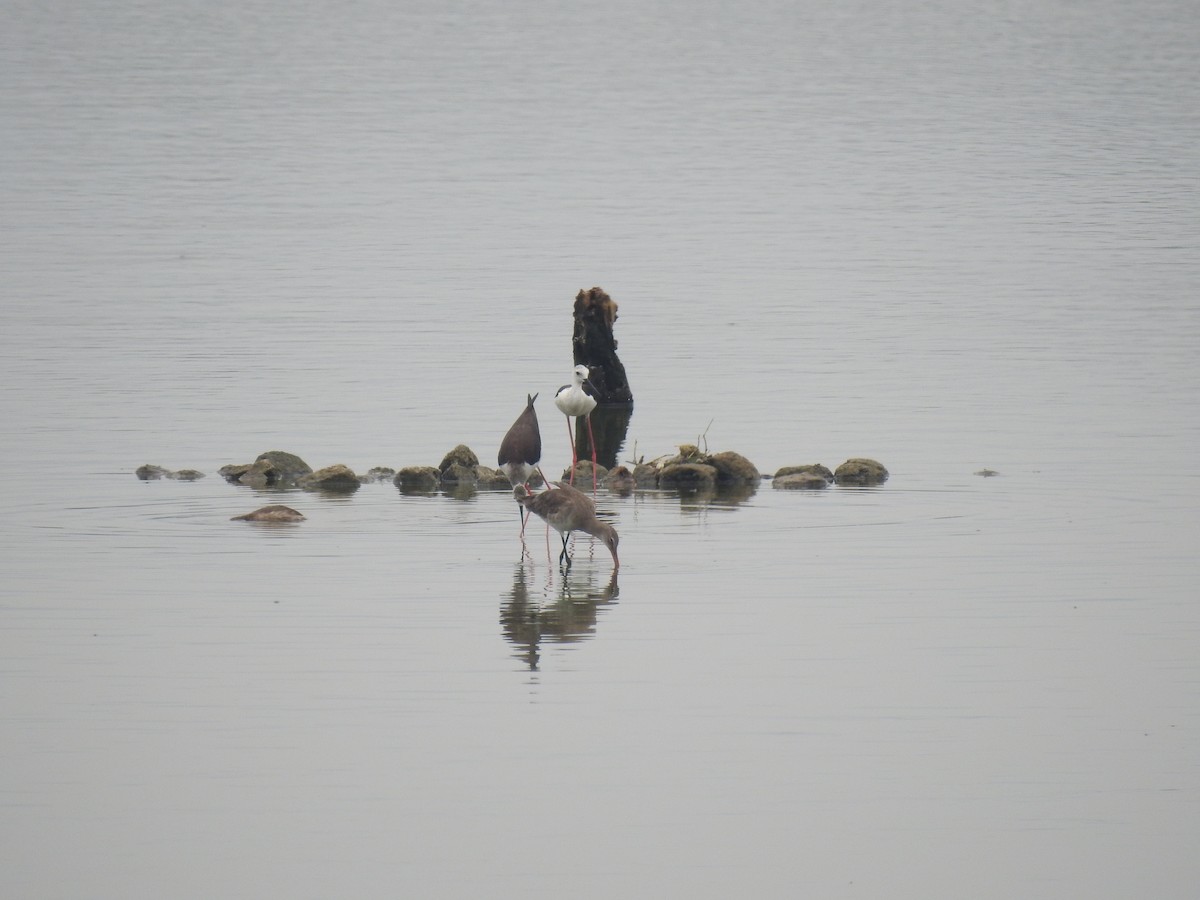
pixel 462 455
pixel 805 481
pixel 288 465
pixel 645 475
pixel 417 479
pixel 809 469
pixel 620 480
pixel 492 479
pixel 336 478
pixel 460 474
pixel 583 470
pixel 860 471
pixel 688 476
pixel 733 468
pixel 274 514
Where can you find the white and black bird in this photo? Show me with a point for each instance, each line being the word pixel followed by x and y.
pixel 572 400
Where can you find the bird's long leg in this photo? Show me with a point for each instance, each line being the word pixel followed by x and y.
pixel 574 457
pixel 592 439
pixel 563 558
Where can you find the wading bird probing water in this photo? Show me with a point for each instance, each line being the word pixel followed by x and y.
pixel 565 510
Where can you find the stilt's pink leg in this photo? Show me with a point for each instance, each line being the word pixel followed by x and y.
pixel 574 458
pixel 592 438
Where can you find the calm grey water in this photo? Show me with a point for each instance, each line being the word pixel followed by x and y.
pixel 946 235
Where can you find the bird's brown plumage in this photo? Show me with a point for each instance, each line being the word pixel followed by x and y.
pixel 565 509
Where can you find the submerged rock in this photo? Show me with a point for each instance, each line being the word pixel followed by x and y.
pixel 583 470
pixel 620 480
pixel 274 513
pixel 733 468
pixel 417 479
pixel 462 455
pixel 810 481
pixel 492 479
pixel 337 478
pixel 288 465
pixel 808 469
pixel 688 476
pixel 273 469
pixel 645 475
pixel 150 472
pixel 987 473
pixel 377 474
pixel 460 474
pixel 860 471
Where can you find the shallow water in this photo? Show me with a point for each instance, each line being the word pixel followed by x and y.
pixel 946 238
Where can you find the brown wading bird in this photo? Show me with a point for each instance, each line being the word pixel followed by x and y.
pixel 565 510
pixel 521 450
pixel 573 400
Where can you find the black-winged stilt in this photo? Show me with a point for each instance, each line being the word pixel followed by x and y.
pixel 572 400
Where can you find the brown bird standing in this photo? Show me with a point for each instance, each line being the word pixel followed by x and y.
pixel 566 509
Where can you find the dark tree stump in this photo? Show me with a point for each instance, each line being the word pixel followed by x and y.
pixel 594 346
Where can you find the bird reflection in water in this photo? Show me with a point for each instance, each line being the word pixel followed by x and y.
pixel 562 610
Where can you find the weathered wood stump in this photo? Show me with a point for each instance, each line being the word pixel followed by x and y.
pixel 593 345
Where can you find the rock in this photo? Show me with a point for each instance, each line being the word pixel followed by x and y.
pixel 337 478
pixel 462 455
pixel 733 468
pixel 688 476
pixel 377 474
pixel 186 475
pixel 492 479
pixel 808 469
pixel 987 473
pixel 861 472
pixel 274 513
pixel 812 481
pixel 263 473
pixel 149 472
pixel 458 473
pixel 620 480
pixel 583 470
pixel 288 466
pixel 274 469
pixel 417 479
pixel 645 475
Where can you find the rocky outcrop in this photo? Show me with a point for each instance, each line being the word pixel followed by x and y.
pixel 335 479
pixel 694 469
pixel 860 471
pixel 418 479
pixel 275 513
pixel 620 480
pixel 377 474
pixel 805 481
pixel 462 455
pixel 273 469
pixel 150 472
pixel 733 468
pixel 583 473
pixel 689 476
